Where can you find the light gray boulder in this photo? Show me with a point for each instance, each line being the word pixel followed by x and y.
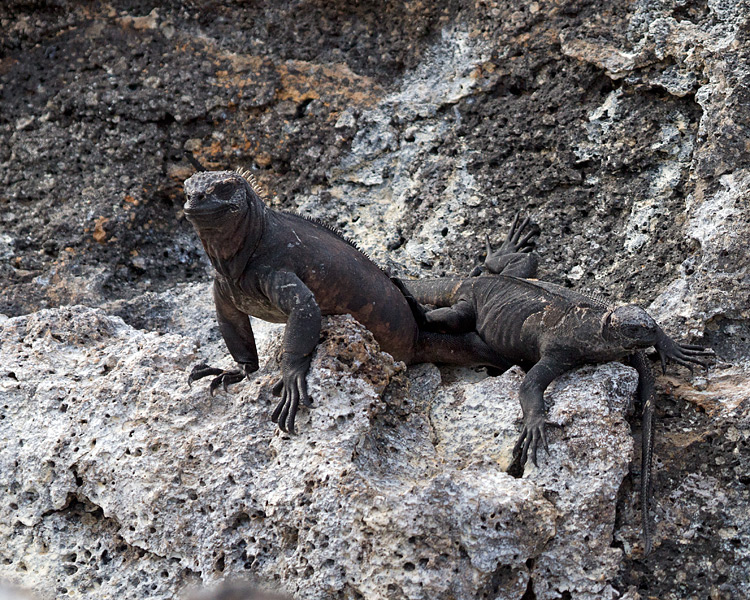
pixel 121 481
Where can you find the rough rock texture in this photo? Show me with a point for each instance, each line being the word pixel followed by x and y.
pixel 131 483
pixel 416 127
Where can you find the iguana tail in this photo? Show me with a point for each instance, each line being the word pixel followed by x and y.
pixel 646 399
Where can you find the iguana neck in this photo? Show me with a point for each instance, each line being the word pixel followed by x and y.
pixel 230 247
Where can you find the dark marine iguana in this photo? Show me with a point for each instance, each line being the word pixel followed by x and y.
pixel 548 330
pixel 282 267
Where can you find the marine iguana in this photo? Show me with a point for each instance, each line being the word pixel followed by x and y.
pixel 281 267
pixel 548 330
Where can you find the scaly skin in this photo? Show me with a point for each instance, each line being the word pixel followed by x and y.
pixel 548 330
pixel 283 268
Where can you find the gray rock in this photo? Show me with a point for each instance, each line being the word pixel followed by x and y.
pixel 119 478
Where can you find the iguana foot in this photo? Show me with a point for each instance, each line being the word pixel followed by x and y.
pixel 531 434
pixel 520 238
pixel 224 378
pixel 292 387
pixel 514 256
pixel 686 355
pixel 286 410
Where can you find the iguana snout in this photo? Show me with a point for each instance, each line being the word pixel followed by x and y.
pixel 632 326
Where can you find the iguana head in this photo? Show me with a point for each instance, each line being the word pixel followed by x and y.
pixel 226 212
pixel 215 198
pixel 631 326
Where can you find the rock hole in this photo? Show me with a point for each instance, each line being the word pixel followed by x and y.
pixel 529 593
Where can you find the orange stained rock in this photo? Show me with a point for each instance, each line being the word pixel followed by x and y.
pixel 302 80
pixel 100 235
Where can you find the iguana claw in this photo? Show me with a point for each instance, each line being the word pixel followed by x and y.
pixel 521 239
pixel 200 371
pixel 292 387
pixel 224 378
pixel 686 355
pixel 531 435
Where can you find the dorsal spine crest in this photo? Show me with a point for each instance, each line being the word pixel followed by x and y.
pixel 335 231
pixel 256 187
pixel 598 299
pixel 250 178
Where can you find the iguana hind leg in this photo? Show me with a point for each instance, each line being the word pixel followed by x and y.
pixel 417 309
pixel 513 257
pixel 459 318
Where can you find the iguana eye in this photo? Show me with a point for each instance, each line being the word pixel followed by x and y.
pixel 224 191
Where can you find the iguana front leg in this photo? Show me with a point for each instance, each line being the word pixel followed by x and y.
pixel 531 395
pixel 238 336
pixel 686 355
pixel 289 294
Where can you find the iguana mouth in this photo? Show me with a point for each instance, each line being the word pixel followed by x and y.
pixel 205 212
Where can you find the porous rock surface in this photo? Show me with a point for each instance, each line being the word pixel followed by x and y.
pixel 123 482
pixel 416 127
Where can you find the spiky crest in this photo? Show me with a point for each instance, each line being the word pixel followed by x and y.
pixel 598 299
pixel 565 293
pixel 337 232
pixel 250 178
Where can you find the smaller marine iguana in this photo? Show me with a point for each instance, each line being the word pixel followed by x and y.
pixel 284 268
pixel 548 330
